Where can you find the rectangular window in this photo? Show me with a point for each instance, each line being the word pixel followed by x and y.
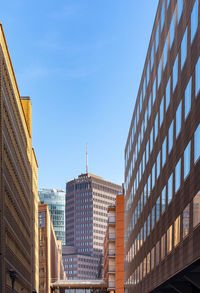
pixel 149 106
pixel 156 127
pixel 163 202
pixel 184 49
pixel 161 111
pixel 153 176
pixel 186 220
pixel 154 91
pixel 152 258
pixel 175 73
pixel 147 152
pixel 159 72
pixel 148 225
pixel 169 239
pixel 177 232
pixel 141 102
pixel 197 77
pixel 178 176
pixel 194 20
pixel 197 144
pixel 147 74
pixel 172 29
pixel 158 165
pixel 164 151
pixel 158 209
pixel 149 185
pixel 157 37
pixel 180 9
pixel 152 56
pixel 170 137
pixel 145 120
pixel 151 140
pixel 188 94
pixel 178 119
pixel 165 53
pixel 144 88
pixel 162 16
pixel 196 209
pixel 163 246
pixel 187 161
pixel 170 188
pixel 168 94
pixel 153 217
pixel 157 253
pixel 138 112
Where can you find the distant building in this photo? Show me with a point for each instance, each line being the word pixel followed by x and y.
pixel 56 202
pixel 18 184
pixel 51 267
pixel 87 200
pixel 162 158
pixel 113 256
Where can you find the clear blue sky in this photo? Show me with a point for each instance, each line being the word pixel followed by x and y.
pixel 81 62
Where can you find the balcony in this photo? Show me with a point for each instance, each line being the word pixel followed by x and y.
pixel 111 220
pixel 111 269
pixel 111 236
pixel 111 253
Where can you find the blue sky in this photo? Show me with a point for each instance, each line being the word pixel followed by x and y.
pixel 81 62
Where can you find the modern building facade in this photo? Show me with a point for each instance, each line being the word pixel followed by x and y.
pixel 162 166
pixel 51 267
pixel 18 184
pixel 56 202
pixel 113 256
pixel 87 200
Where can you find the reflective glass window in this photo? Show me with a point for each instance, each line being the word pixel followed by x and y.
pixel 170 188
pixel 158 165
pixel 151 140
pixel 175 73
pixel 149 185
pixel 157 253
pixel 197 144
pixel 194 20
pixel 159 72
pixel 163 201
pixel 168 94
pixel 145 120
pixel 152 258
pixel 156 127
pixel 187 160
pixel 153 176
pixel 144 88
pixel 152 56
pixel 186 220
pixel 172 28
pixel 147 152
pixel 162 16
pixel 184 49
pixel 161 111
pixel 158 209
pixel 177 232
pixel 141 102
pixel 196 210
pixel 188 93
pixel 164 151
pixel 178 119
pixel 153 214
pixel 165 54
pixel 157 37
pixel 170 137
pixel 149 106
pixel 148 225
pixel 169 239
pixel 178 176
pixel 168 2
pixel 154 91
pixel 197 77
pixel 147 74
pixel 180 9
pixel 163 246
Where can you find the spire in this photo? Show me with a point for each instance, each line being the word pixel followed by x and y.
pixel 86 158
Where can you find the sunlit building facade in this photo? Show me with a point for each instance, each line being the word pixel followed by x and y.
pixel 162 166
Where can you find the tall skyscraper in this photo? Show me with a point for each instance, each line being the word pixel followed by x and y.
pixel 87 200
pixel 162 158
pixel 55 199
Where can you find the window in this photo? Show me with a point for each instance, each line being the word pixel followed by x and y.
pixel 152 258
pixel 172 28
pixel 177 233
pixel 163 246
pixel 161 111
pixel 162 16
pixel 168 94
pixel 168 2
pixel 178 119
pixel 153 217
pixel 180 9
pixel 42 219
pixel 186 220
pixel 188 93
pixel 144 88
pixel 178 176
pixel 157 37
pixel 149 106
pixel 159 72
pixel 158 209
pixel 151 140
pixel 175 73
pixel 170 188
pixel 149 185
pixel 152 56
pixel 157 253
pixel 153 176
pixel 170 137
pixel 156 127
pixel 184 49
pixel 148 262
pixel 197 77
pixel 165 53
pixel 147 152
pixel 145 120
pixel 158 165
pixel 147 74
pixel 163 202
pixel 194 20
pixel 164 151
pixel 154 91
pixel 169 239
pixel 141 102
pixel 196 209
pixel 187 161
pixel 148 225
pixel 197 144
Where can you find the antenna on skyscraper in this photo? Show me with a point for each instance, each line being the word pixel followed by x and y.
pixel 86 158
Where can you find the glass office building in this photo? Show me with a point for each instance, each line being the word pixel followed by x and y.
pixel 162 158
pixel 56 203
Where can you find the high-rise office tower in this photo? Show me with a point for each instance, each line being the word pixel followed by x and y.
pixel 87 200
pixel 55 199
pixel 162 158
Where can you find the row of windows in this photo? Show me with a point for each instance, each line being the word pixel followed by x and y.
pixel 161 68
pixel 169 240
pixel 167 192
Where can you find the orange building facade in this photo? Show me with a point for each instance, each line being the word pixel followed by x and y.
pixel 113 262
